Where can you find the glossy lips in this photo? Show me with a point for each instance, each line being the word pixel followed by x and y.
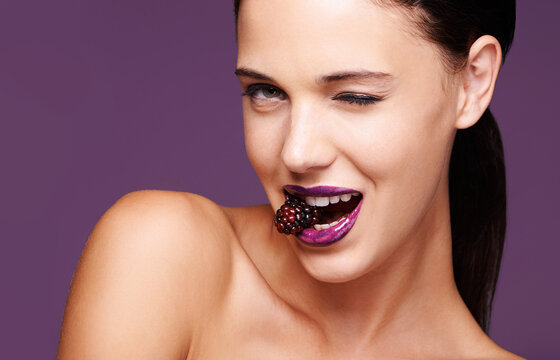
pixel 325 237
pixel 300 191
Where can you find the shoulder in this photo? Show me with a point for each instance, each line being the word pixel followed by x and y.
pixel 506 355
pixel 148 205
pixel 159 219
pixel 172 227
pixel 154 263
pixel 496 352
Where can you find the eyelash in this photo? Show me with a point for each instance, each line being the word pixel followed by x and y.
pixel 350 98
pixel 358 99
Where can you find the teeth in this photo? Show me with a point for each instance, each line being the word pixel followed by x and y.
pixel 317 201
pixel 336 222
pixel 321 201
pixel 325 201
pixel 334 199
pixel 310 200
pixel 326 226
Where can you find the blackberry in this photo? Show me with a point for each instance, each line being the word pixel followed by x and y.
pixel 295 215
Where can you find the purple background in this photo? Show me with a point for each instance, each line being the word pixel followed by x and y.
pixel 99 98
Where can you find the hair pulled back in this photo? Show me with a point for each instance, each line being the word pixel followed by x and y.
pixel 477 184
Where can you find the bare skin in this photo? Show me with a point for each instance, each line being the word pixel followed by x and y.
pixel 148 287
pixel 174 276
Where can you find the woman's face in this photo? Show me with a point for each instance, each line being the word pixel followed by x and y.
pixel 351 98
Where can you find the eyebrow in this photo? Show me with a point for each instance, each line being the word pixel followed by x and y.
pixel 252 74
pixel 355 75
pixel 338 76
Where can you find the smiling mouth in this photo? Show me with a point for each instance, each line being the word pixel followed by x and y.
pixel 334 210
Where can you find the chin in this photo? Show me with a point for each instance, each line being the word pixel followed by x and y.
pixel 332 266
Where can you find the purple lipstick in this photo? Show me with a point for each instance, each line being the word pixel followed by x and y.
pixel 340 208
pixel 302 192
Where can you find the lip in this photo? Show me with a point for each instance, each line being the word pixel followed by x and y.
pixel 312 237
pixel 321 191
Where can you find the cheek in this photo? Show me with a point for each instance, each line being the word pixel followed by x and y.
pixel 409 141
pixel 263 143
pixel 395 152
pixel 405 156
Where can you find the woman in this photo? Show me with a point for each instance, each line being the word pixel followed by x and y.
pixel 371 116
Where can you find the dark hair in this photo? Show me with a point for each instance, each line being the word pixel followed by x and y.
pixel 477 183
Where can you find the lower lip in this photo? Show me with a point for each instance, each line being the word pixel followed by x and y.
pixel 329 236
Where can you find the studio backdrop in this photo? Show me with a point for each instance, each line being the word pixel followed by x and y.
pixel 99 98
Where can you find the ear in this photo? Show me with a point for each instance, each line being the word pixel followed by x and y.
pixel 478 80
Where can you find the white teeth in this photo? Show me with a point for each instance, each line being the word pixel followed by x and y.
pixel 317 201
pixel 321 226
pixel 336 222
pixel 321 201
pixel 334 199
pixel 325 201
pixel 326 226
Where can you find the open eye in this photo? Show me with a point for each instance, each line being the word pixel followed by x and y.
pixel 359 99
pixel 264 92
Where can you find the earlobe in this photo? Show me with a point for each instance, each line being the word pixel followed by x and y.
pixel 478 80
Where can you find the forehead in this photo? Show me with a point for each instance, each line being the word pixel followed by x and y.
pixel 322 36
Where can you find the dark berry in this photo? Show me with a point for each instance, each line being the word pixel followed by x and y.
pixel 295 215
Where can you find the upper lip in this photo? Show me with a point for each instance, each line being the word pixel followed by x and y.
pixel 321 190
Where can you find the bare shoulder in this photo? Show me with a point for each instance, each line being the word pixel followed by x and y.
pixel 498 353
pixel 153 264
pixel 506 355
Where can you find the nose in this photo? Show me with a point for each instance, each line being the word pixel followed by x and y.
pixel 307 146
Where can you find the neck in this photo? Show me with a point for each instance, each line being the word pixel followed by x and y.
pixel 411 295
